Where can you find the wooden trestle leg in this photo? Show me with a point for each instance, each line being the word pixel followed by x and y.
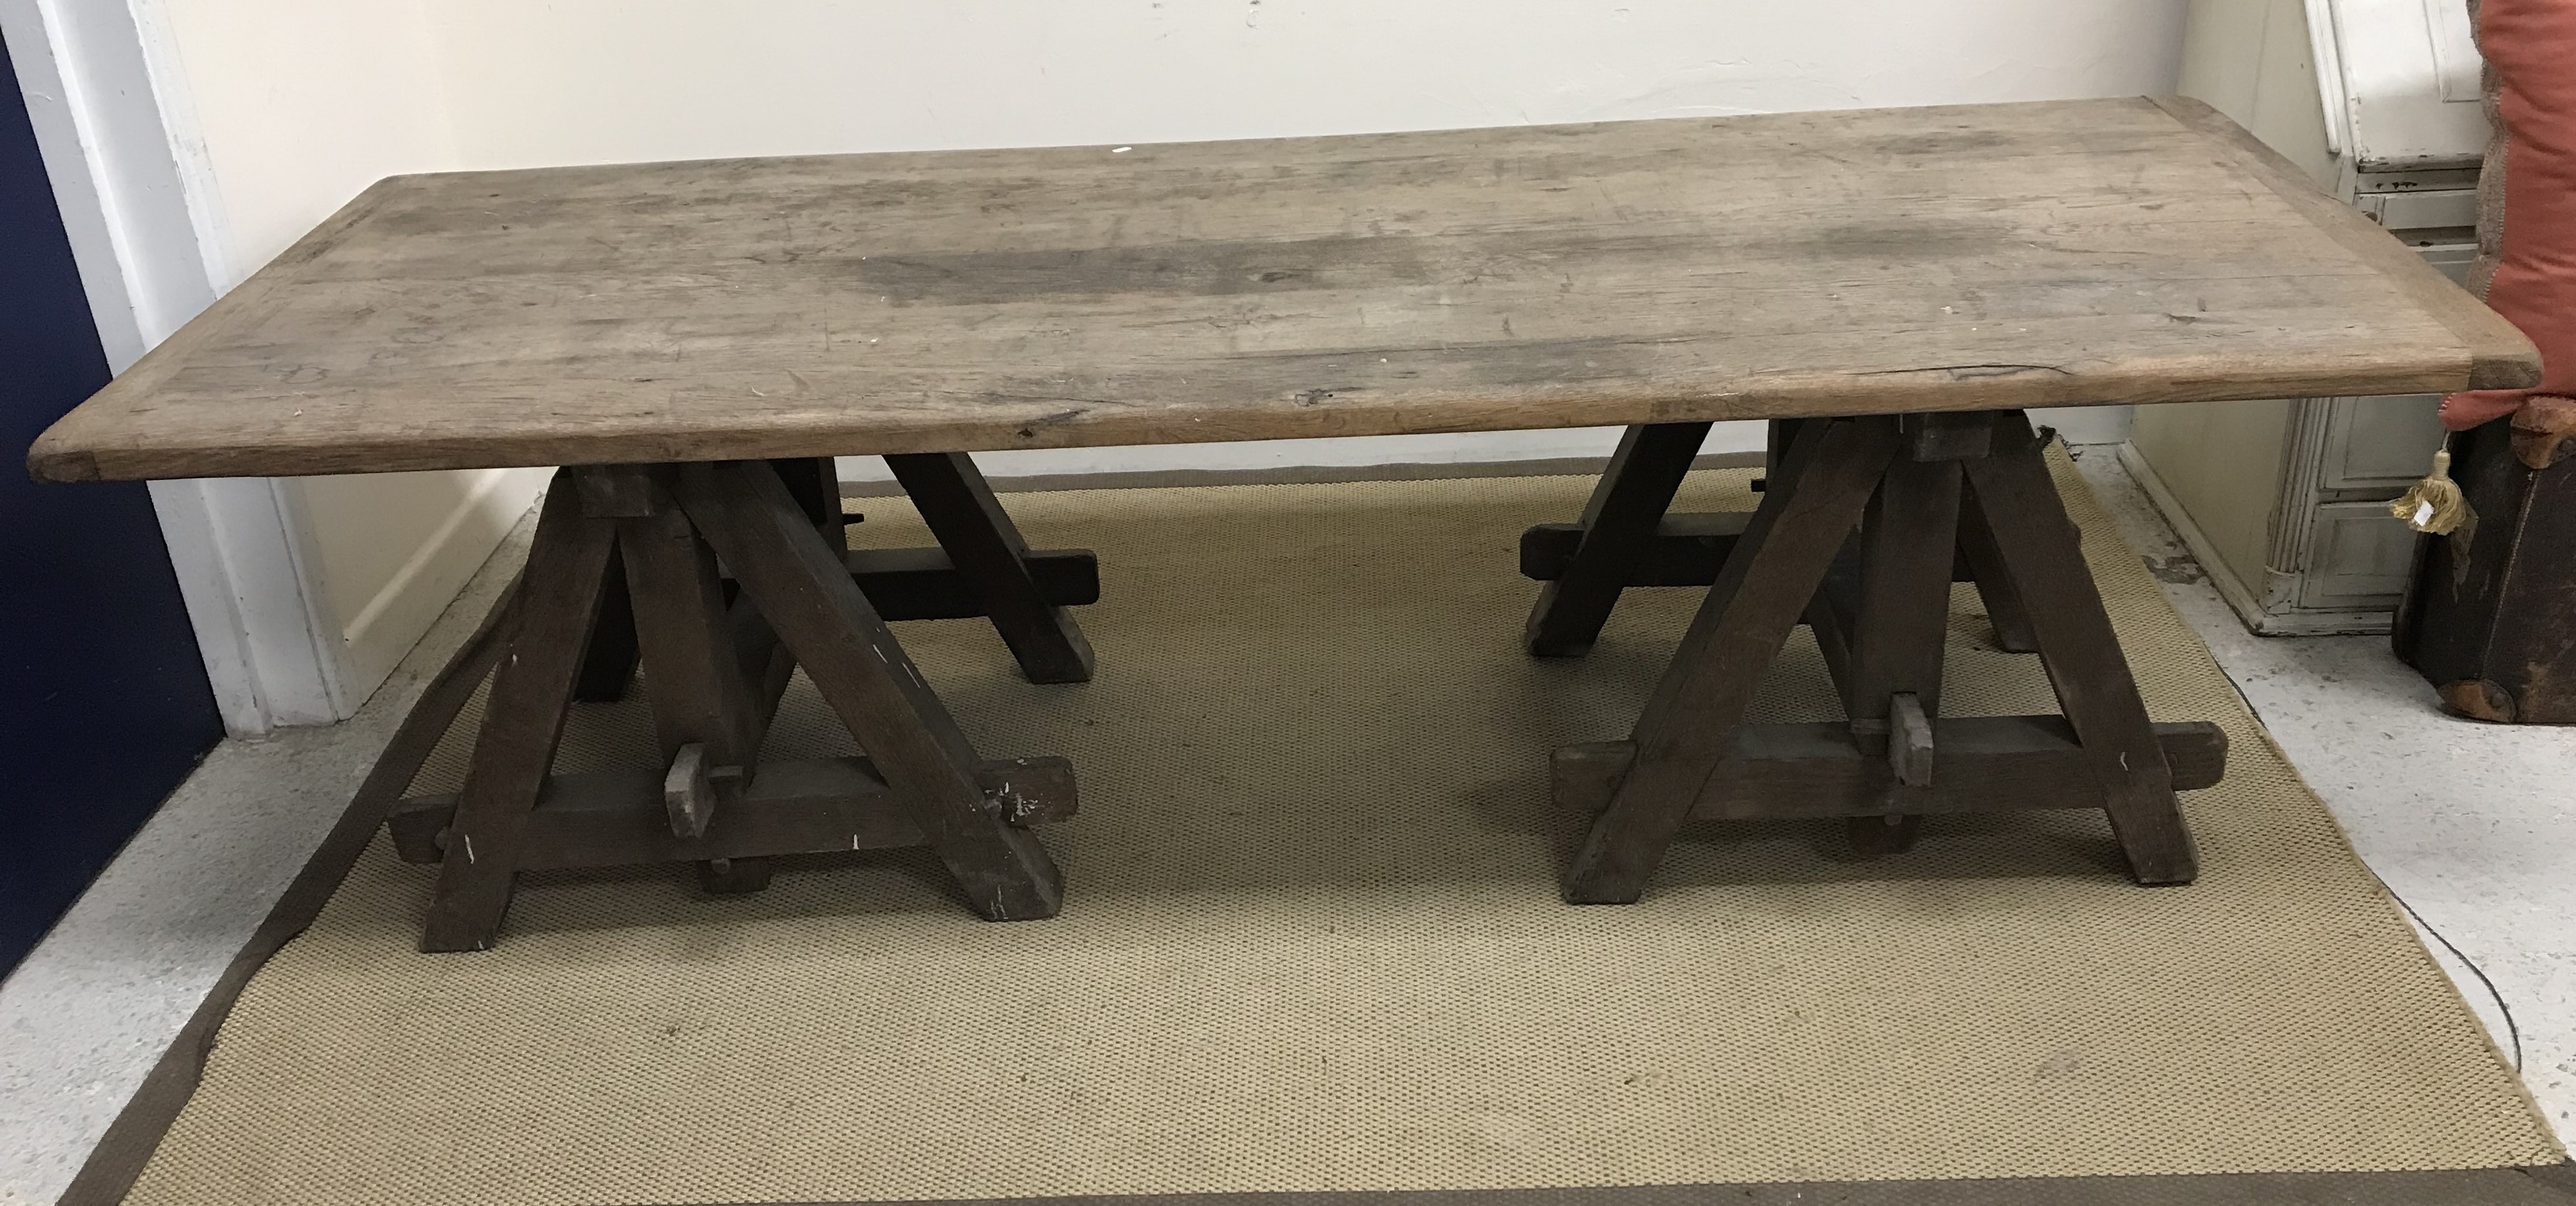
pixel 1880 619
pixel 2043 557
pixel 993 561
pixel 1618 529
pixel 713 671
pixel 523 718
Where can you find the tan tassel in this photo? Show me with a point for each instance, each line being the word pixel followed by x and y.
pixel 2434 504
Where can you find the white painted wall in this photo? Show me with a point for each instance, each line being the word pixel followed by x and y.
pixel 282 110
pixel 291 107
pixel 605 80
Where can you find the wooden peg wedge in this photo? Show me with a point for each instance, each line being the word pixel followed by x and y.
pixel 689 791
pixel 1909 740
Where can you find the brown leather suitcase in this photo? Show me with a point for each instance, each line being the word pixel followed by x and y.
pixel 2490 611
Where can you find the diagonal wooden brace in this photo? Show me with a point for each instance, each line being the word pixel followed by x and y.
pixel 992 559
pixel 523 718
pixel 2044 558
pixel 803 588
pixel 1616 537
pixel 1822 487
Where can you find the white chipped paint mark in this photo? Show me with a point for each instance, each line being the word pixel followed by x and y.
pixel 469 846
pixel 2124 760
pixel 1011 805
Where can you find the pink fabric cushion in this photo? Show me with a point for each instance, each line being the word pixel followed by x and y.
pixel 2531 44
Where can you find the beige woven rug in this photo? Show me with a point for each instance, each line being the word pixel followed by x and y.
pixel 1312 940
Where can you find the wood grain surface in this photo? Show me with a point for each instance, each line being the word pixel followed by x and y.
pixel 1879 261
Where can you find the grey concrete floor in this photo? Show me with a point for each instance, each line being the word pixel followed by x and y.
pixel 2473 826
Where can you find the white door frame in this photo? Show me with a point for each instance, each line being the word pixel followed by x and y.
pixel 138 200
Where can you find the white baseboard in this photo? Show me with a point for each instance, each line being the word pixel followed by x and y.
pixel 232 548
pixel 2326 623
pixel 2240 597
pixel 376 638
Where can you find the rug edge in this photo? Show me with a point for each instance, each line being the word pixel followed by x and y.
pixel 127 1146
pixel 2540 1185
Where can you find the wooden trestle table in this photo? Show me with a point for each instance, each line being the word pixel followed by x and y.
pixel 688 340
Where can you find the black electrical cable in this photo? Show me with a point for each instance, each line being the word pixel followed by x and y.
pixel 2512 1029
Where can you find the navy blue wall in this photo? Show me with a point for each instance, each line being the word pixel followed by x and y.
pixel 103 703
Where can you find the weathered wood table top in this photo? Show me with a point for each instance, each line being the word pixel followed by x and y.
pixel 1882 261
